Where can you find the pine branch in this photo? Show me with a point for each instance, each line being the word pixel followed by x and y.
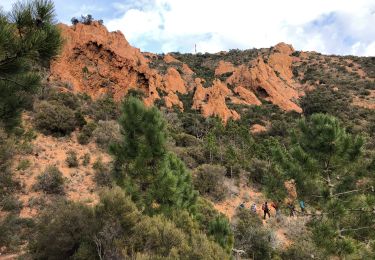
pixel 13 81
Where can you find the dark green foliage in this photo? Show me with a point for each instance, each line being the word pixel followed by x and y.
pixel 86 133
pixel 143 163
pixel 251 236
pixel 61 230
pixel 54 118
pixel 50 181
pixel 71 159
pixel 114 229
pixel 105 109
pixel 209 181
pixel 106 133
pixel 102 176
pixel 324 100
pixel 323 162
pixel 220 229
pixel 7 183
pixel 14 231
pixel 28 40
pixel 86 159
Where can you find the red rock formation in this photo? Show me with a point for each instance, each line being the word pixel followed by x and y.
pixel 223 67
pixel 96 62
pixel 211 101
pixel 260 78
pixel 256 129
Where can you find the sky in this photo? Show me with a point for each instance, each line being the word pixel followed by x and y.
pixel 343 27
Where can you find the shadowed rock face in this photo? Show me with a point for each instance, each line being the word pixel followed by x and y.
pixel 97 62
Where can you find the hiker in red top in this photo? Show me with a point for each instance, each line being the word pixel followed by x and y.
pixel 266 210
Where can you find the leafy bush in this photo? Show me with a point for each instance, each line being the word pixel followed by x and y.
pixel 54 118
pixel 14 231
pixel 10 203
pixel 23 165
pixel 102 176
pixel 86 133
pixel 71 159
pixel 208 180
pixel 50 181
pixel 60 231
pixel 105 109
pixel 251 236
pixel 86 159
pixel 107 132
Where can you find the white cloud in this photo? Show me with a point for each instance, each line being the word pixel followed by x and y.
pixel 328 26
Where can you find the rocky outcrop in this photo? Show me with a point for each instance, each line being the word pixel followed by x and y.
pixel 224 67
pixel 97 62
pixel 262 80
pixel 211 101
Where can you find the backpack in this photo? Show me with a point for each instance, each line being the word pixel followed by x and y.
pixel 263 206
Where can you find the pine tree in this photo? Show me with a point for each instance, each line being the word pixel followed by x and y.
pixel 156 178
pixel 28 40
pixel 324 160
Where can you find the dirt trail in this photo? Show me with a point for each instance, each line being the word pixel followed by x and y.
pixel 251 195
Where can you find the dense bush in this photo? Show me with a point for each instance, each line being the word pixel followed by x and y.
pixel 209 180
pixel 105 109
pixel 114 229
pixel 51 181
pixel 71 159
pixel 102 175
pixel 86 133
pixel 14 231
pixel 106 133
pixel 251 236
pixel 54 118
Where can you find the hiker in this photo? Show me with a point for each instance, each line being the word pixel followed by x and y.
pixel 266 210
pixel 292 209
pixel 253 208
pixel 276 206
pixel 302 206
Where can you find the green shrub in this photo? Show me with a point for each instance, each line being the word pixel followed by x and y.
pixel 14 231
pixel 106 133
pixel 102 176
pixel 105 109
pixel 186 140
pixel 86 133
pixel 61 230
pixel 23 165
pixel 208 180
pixel 67 99
pixel 86 159
pixel 54 118
pixel 251 236
pixel 71 159
pixel 50 181
pixel 10 203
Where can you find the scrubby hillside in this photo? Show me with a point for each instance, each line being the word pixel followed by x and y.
pixel 120 153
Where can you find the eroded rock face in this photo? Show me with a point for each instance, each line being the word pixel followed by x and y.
pixel 261 79
pixel 97 62
pixel 224 67
pixel 211 101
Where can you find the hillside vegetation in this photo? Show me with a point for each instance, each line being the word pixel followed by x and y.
pixel 147 156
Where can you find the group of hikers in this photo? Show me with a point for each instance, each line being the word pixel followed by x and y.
pixel 276 206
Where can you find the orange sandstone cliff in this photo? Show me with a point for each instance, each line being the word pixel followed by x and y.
pixel 97 62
